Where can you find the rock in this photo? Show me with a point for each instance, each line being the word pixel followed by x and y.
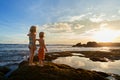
pixel 99 59
pixel 77 45
pixel 117 77
pixel 89 44
pixel 103 74
pixel 95 44
pixel 4 69
pixel 23 63
pixel 1 76
pixel 52 71
pixel 54 55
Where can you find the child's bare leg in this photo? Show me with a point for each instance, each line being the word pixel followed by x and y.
pixel 41 62
pixel 31 56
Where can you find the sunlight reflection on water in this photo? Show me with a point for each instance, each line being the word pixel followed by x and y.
pixel 86 63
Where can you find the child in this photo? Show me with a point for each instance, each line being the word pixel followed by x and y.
pixel 32 46
pixel 41 53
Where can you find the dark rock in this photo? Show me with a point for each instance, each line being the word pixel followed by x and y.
pixel 103 74
pixel 23 63
pixel 95 44
pixel 4 69
pixel 52 71
pixel 77 45
pixel 99 59
pixel 89 44
pixel 1 76
pixel 92 44
pixel 54 55
pixel 117 77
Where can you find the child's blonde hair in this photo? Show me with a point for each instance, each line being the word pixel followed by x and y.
pixel 41 34
pixel 33 29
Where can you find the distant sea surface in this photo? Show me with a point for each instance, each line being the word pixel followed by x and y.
pixel 15 53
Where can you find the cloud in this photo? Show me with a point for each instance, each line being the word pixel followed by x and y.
pixel 114 25
pixel 74 18
pixel 78 26
pixel 103 25
pixel 58 27
pixel 97 18
pixel 119 11
pixel 77 31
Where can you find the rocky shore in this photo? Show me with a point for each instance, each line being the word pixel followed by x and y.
pixel 52 71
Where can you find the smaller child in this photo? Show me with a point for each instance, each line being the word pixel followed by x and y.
pixel 42 47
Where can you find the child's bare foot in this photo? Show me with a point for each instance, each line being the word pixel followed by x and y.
pixel 31 64
pixel 41 65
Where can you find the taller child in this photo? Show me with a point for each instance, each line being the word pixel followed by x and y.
pixel 32 45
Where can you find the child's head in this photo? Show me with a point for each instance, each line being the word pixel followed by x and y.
pixel 33 29
pixel 41 34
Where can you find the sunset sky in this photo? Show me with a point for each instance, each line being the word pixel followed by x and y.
pixel 63 21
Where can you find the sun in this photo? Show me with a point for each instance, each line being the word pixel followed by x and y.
pixel 105 35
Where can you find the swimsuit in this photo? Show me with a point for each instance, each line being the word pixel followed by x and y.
pixel 31 43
